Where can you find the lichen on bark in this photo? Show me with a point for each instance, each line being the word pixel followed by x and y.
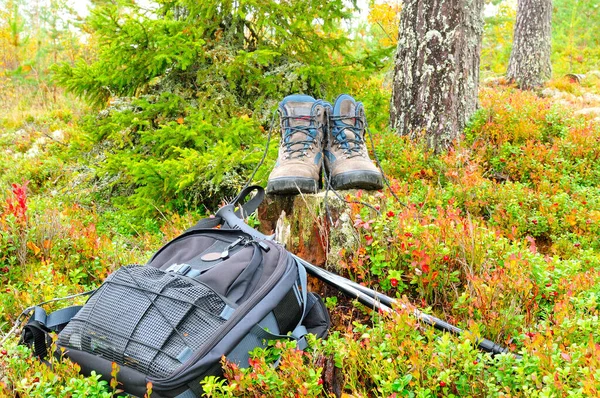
pixel 436 70
pixel 529 65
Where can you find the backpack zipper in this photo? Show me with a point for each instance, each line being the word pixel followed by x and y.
pixel 244 241
pixel 214 233
pixel 225 253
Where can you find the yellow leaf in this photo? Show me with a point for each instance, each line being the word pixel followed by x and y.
pixel 33 248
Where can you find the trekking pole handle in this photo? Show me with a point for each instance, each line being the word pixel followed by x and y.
pixel 227 214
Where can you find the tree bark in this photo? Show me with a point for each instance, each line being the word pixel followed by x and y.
pixel 529 65
pixel 436 73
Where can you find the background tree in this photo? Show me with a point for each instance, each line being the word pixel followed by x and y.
pixel 34 35
pixel 436 70
pixel 575 38
pixel 529 65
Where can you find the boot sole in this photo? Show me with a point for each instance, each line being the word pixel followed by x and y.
pixel 292 186
pixel 357 180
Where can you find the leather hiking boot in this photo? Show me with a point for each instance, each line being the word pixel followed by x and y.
pixel 347 160
pixel 298 167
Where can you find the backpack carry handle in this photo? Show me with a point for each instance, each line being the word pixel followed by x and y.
pixel 235 218
pixel 228 215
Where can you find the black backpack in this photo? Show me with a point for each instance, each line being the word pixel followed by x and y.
pixel 206 294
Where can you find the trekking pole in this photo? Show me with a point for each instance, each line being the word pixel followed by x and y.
pixel 388 302
pixel 363 294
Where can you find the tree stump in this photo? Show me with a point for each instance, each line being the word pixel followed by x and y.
pixel 315 227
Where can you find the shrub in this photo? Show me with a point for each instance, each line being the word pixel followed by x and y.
pixel 205 77
pixel 294 376
pixel 22 374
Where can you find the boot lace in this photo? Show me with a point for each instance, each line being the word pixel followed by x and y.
pixel 298 148
pixel 352 147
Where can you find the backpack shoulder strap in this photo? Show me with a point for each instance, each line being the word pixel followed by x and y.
pixel 36 334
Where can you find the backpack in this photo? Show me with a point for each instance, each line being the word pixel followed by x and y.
pixel 206 294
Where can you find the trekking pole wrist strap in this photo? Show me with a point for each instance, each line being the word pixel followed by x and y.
pixel 250 206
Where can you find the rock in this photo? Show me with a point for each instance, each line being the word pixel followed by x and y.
pixel 549 92
pixel 495 81
pixel 588 111
pixel 591 98
pixel 117 104
pixel 575 77
pixel 33 152
pixel 36 147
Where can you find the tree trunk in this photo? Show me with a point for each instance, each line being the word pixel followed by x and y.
pixel 436 73
pixel 529 64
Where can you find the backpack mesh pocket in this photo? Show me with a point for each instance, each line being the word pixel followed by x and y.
pixel 146 319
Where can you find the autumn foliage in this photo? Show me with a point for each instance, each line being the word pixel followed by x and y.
pixel 498 235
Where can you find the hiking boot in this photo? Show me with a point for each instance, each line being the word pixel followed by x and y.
pixel 347 160
pixel 298 167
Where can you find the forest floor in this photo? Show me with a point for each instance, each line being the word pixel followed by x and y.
pixel 499 235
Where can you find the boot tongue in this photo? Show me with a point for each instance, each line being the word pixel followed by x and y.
pixel 348 108
pixel 300 117
pixel 300 113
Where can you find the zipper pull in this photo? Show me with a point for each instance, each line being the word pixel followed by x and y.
pixel 264 246
pixel 225 253
pixel 260 243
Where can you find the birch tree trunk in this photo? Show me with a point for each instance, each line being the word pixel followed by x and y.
pixel 529 65
pixel 436 73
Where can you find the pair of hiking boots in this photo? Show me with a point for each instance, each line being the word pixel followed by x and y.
pixel 316 134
